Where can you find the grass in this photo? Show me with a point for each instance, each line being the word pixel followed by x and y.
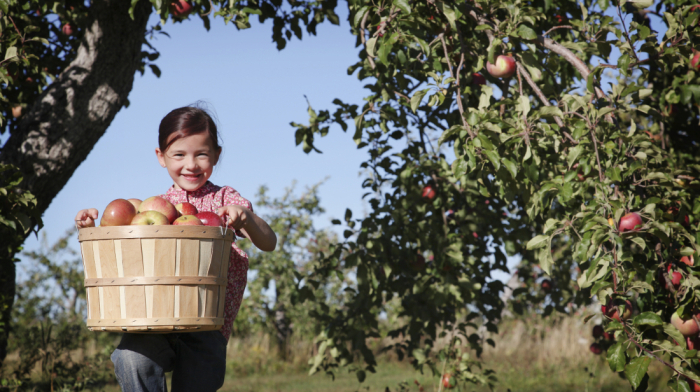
pixel 531 355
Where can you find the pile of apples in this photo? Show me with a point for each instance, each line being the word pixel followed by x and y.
pixel 156 211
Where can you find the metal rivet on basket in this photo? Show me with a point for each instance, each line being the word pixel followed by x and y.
pixel 131 231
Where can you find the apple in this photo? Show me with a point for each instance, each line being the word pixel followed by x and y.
pixel 157 203
pixel 560 18
pixel 180 8
pixel 630 222
pixel 685 325
pixel 695 61
pixel 609 336
pixel 688 260
pixel 16 111
pixel 186 209
pixel 504 67
pixel 118 212
pixel 611 310
pixel 478 79
pixel 693 342
pixel 694 387
pixel 135 202
pixel 209 218
pixel 150 217
pixel 448 381
pixel 546 285
pixel 188 220
pixel 598 331
pixel 68 29
pixel 596 349
pixel 429 192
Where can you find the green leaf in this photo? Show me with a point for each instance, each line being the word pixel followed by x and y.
pixel 405 8
pixel 636 370
pixel 545 258
pixel 493 157
pixel 551 111
pixel 359 15
pixel 370 46
pixel 511 167
pixel 492 50
pixel 648 318
pixel 617 357
pixel 417 98
pixel 10 53
pixel 537 242
pixel 526 32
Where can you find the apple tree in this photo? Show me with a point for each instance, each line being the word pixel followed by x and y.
pixel 66 69
pixel 539 128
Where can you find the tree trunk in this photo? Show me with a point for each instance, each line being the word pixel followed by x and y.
pixel 69 117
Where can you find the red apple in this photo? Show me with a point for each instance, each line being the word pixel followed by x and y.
pixel 687 326
pixel 546 285
pixel 209 218
pixel 598 331
pixel 429 192
pixel 186 209
pixel 135 202
pixel 611 310
pixel 157 203
pixel 68 29
pixel 596 349
pixel 504 67
pixel 16 111
pixel 150 217
pixel 695 61
pixel 694 387
pixel 688 260
pixel 180 8
pixel 188 220
pixel 693 342
pixel 448 381
pixel 630 222
pixel 609 336
pixel 478 79
pixel 118 212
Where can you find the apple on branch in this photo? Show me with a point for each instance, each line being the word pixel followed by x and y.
pixel 180 8
pixel 686 325
pixel 612 309
pixel 448 381
pixel 631 222
pixel 429 192
pixel 118 212
pixel 596 349
pixel 504 67
pixel 68 29
pixel 150 217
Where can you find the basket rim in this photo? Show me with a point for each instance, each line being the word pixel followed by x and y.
pixel 154 231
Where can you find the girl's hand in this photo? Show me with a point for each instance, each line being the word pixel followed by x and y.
pixel 251 225
pixel 235 216
pixel 86 218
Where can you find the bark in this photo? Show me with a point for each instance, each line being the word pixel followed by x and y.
pixel 69 117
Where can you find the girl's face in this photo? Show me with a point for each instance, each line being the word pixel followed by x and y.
pixel 190 161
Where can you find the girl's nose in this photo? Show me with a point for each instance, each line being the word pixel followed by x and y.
pixel 190 164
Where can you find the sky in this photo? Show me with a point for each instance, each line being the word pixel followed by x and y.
pixel 255 91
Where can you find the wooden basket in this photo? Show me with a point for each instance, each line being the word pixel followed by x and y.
pixel 155 279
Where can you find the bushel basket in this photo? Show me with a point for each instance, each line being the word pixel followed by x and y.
pixel 155 279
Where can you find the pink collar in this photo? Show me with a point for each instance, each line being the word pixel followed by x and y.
pixel 208 187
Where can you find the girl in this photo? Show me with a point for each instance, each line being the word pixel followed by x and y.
pixel 189 150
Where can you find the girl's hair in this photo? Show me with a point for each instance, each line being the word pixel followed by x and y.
pixel 186 121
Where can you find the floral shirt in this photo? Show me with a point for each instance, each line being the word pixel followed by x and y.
pixel 209 198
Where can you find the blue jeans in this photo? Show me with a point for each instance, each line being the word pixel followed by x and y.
pixel 197 360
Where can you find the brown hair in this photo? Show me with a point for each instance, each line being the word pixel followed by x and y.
pixel 186 121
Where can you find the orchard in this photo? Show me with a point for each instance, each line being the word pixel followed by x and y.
pixel 492 129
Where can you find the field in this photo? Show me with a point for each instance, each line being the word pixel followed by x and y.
pixel 530 356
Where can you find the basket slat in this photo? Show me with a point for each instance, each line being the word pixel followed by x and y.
pixel 189 251
pixel 164 296
pixel 148 251
pixel 108 269
pixel 135 296
pixel 206 249
pixel 89 268
pixel 214 269
pixel 223 273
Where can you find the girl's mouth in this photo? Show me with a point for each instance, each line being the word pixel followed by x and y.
pixel 191 177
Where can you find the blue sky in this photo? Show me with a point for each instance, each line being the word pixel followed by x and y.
pixel 256 91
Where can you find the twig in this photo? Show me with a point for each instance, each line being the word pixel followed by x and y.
pixel 460 105
pixel 627 35
pixel 557 28
pixel 539 94
pixel 364 40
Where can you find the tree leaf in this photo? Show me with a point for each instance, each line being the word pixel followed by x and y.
pixel 617 357
pixel 526 32
pixel 537 242
pixel 648 318
pixel 417 98
pixel 404 7
pixel 636 370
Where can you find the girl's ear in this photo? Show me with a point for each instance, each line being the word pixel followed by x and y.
pixel 161 157
pixel 218 155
